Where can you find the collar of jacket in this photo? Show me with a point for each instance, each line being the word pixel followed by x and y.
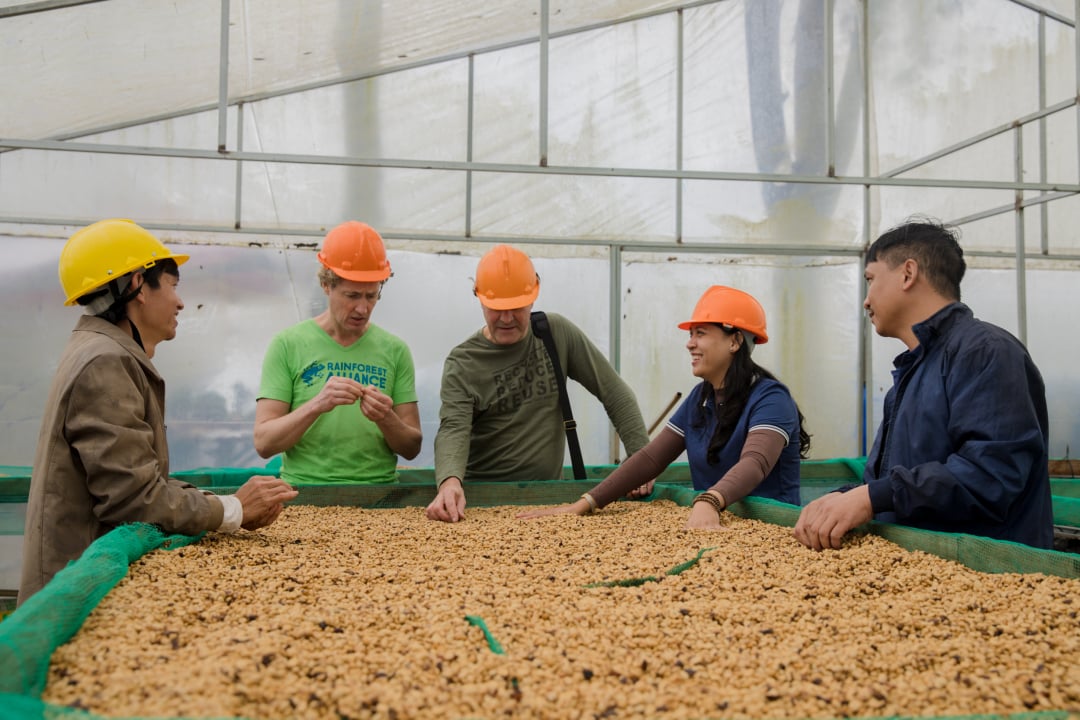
pixel 95 324
pixel 939 323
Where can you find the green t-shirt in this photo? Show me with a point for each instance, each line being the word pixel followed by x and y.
pixel 500 417
pixel 341 445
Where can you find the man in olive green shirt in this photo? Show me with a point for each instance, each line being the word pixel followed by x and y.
pixel 500 416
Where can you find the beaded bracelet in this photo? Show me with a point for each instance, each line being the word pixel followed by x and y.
pixel 708 497
pixel 592 503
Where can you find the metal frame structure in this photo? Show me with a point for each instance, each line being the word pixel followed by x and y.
pixel 1044 192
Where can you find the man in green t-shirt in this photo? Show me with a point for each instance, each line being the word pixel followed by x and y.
pixel 500 417
pixel 338 393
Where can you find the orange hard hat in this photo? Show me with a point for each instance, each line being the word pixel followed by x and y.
pixel 355 251
pixel 506 279
pixel 727 306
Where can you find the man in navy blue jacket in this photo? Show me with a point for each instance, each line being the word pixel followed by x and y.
pixel 963 446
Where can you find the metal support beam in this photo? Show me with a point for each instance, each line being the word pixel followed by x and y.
pixel 1021 270
pixel 543 83
pixel 469 139
pixel 866 356
pixel 615 327
pixel 239 216
pixel 223 79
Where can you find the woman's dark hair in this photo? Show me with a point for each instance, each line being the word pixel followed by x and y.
pixel 740 379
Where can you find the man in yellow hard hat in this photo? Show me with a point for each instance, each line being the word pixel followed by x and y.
pixel 102 458
pixel 500 417
pixel 338 394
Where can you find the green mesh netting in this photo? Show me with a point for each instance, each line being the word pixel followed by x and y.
pixel 978 553
pixel 1066 511
pixel 51 617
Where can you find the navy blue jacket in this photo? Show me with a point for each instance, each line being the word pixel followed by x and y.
pixel 963 446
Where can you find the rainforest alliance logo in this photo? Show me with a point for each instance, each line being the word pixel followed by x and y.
pixel 366 375
pixel 312 372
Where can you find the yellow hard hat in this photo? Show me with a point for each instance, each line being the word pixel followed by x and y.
pixel 107 250
pixel 505 279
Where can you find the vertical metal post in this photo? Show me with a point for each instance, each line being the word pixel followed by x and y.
pixel 469 146
pixel 544 83
pixel 223 79
pixel 1076 49
pixel 830 91
pixel 866 355
pixel 239 165
pixel 1044 208
pixel 679 84
pixel 1021 279
pixel 615 326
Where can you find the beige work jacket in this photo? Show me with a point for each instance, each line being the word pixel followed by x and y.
pixel 102 458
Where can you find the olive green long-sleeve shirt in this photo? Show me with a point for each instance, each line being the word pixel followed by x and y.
pixel 500 416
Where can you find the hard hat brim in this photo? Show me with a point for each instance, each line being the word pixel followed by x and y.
pixel 758 339
pixel 178 258
pixel 361 275
pixel 511 303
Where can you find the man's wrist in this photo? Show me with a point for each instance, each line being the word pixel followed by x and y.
pixel 448 478
pixel 233 513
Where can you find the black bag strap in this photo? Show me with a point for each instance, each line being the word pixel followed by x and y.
pixel 542 330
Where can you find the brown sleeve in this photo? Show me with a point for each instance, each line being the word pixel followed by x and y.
pixel 639 468
pixel 759 454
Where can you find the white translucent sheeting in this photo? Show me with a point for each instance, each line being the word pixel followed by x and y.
pixel 284 195
pixel 785 214
pixel 35 324
pixel 612 94
pixel 98 64
pixel 925 65
pixel 754 97
pixel 390 116
pixel 167 54
pixel 586 207
pixel 812 317
pixel 63 185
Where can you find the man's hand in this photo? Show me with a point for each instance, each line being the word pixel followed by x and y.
pixel 581 507
pixel 263 498
pixel 375 404
pixel 338 391
pixel 449 504
pixel 642 491
pixel 824 522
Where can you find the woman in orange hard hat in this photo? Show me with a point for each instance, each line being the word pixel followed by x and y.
pixel 337 395
pixel 740 427
pixel 102 456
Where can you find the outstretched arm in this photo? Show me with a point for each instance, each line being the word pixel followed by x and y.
pixel 759 455
pixel 643 465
